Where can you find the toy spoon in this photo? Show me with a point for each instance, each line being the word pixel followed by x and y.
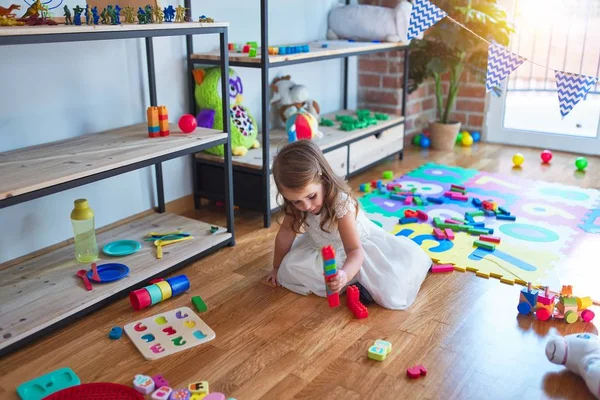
pixel 95 275
pixel 82 273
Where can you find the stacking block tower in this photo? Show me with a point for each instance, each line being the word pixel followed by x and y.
pixel 163 121
pixel 153 122
pixel 330 272
pixel 159 291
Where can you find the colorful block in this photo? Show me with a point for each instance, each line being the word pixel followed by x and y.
pixel 449 234
pixel 422 215
pixel 435 200
pixel 387 346
pixel 437 232
pixel 153 123
pixel 143 384
pixel 365 188
pixel 199 304
pixel 407 220
pixel 489 238
pixel 388 174
pixel 162 393
pixel 506 217
pixel 484 245
pixel 163 121
pixel 377 353
pixel 477 231
pixel 442 268
pixel 159 381
pixel 437 221
pixel 408 200
pixel 398 197
pixel 198 387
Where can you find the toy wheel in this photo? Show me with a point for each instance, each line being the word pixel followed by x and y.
pixel 571 317
pixel 524 308
pixel 542 314
pixel 587 315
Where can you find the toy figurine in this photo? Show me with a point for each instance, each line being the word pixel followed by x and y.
pixel 149 15
pixel 33 9
pixel 204 18
pixel 77 16
pixel 67 14
pixel 88 16
pixel 129 14
pixel 8 12
pixel 95 15
pixel 159 15
pixel 179 14
pixel 169 13
pixel 579 353
pixel 141 15
pixel 104 16
pixel 117 15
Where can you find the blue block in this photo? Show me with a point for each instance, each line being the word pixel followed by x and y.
pixel 435 200
pixel 154 129
pixel 324 45
pixel 506 217
pixel 306 48
pixel 476 202
pixel 382 190
pixel 398 197
pixel 407 220
pixel 329 262
pixel 331 272
pixel 489 213
pixel 282 50
pixel 503 211
pixel 115 333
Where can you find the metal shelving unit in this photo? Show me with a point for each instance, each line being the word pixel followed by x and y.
pixel 248 177
pixel 33 172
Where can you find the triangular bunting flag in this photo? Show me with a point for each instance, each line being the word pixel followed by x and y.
pixel 571 89
pixel 501 63
pixel 423 15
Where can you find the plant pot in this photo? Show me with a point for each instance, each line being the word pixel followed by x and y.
pixel 443 136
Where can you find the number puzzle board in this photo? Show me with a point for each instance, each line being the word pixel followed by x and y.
pixel 167 333
pixel 553 241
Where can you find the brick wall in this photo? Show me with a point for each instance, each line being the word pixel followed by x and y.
pixel 380 79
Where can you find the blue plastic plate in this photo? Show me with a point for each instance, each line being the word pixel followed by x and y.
pixel 121 248
pixel 109 272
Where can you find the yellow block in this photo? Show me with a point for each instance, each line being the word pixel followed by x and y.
pixel 496 275
pixel 507 281
pixel 482 275
pixel 459 269
pixel 520 281
pixel 472 269
pixel 152 114
pixel 165 289
pixel 584 302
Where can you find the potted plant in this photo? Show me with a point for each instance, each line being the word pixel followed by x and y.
pixel 447 48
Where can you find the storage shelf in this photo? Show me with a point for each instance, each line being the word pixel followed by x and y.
pixel 44 291
pixel 333 137
pixel 72 33
pixel 39 170
pixel 334 49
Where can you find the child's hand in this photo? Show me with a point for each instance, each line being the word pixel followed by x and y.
pixel 272 277
pixel 337 283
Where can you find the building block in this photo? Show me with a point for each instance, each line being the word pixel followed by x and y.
pixel 437 221
pixel 159 381
pixel 442 268
pixel 506 217
pixel 153 123
pixel 143 384
pixel 484 245
pixel 388 174
pixel 475 213
pixel 476 202
pixel 408 200
pixel 407 220
pixel 460 269
pixel 456 190
pixel 489 213
pixel 162 393
pixel 410 213
pixel 418 200
pixel 199 304
pixel 198 387
pixel 495 275
pixel 115 333
pixel 387 346
pixel 437 232
pixel 328 254
pixel 477 231
pixel 416 371
pixel 353 302
pixel 507 281
pixel 163 121
pixel 376 353
pixel 488 238
pixel 365 188
pixel 460 197
pixel 453 186
pixel 451 221
pixel 435 200
pixel 482 274
pixel 449 234
pixel 503 211
pixel 180 394
pixel 398 197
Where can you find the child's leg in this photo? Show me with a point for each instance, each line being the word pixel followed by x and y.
pixel 301 270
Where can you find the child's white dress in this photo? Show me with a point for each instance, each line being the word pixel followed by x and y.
pixel 393 269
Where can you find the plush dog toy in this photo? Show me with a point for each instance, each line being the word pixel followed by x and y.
pixel 580 353
pixel 368 23
pixel 290 98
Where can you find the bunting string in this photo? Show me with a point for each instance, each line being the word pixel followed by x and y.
pixel 571 88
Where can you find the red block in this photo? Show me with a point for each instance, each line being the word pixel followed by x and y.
pixel 458 187
pixel 333 300
pixel 460 197
pixel 416 371
pixel 411 213
pixel 488 238
pixel 353 303
pixel 328 252
pixel 437 232
pixel 442 268
pixel 449 233
pixel 449 194
pixel 422 215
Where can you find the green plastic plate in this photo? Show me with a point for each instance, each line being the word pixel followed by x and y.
pixel 45 385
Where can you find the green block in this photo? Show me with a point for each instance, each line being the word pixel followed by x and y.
pixel 437 221
pixel 462 221
pixel 418 201
pixel 382 116
pixel 484 245
pixel 253 45
pixel 347 126
pixel 477 231
pixel 252 52
pixel 475 213
pixel 458 190
pixel 452 227
pixel 330 267
pixel 345 118
pixel 326 122
pixel 199 304
pixel 463 228
pixel 388 174
pixel 377 353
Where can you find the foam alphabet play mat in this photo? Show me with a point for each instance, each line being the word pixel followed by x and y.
pixel 553 239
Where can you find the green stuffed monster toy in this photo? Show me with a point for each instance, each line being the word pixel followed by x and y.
pixel 208 99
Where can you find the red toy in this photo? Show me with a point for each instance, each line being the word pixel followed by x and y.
pixel 416 371
pixel 330 272
pixel 546 156
pixel 187 123
pixel 354 304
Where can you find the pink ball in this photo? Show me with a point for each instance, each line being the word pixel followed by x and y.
pixel 546 156
pixel 187 123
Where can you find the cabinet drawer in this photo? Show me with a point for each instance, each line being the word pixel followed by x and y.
pixel 372 149
pixel 338 159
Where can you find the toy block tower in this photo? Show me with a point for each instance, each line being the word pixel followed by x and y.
pixel 163 121
pixel 153 122
pixel 354 304
pixel 528 299
pixel 330 272
pixel 545 305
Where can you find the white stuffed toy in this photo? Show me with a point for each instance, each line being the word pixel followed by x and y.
pixel 370 23
pixel 580 353
pixel 290 98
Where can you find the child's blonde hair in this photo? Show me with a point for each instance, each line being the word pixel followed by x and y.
pixel 299 164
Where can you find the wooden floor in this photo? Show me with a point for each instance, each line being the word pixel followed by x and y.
pixel 274 344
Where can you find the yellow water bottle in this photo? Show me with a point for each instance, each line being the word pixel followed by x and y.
pixel 82 218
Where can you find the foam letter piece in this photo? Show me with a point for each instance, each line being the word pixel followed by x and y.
pixel 215 396
pixel 198 387
pixel 377 353
pixel 143 384
pixel 160 381
pixel 387 346
pixel 180 394
pixel 115 333
pixel 162 393
pixel 580 353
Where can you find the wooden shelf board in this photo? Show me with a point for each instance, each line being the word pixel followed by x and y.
pixel 62 29
pixel 334 47
pixel 42 291
pixel 332 136
pixel 38 167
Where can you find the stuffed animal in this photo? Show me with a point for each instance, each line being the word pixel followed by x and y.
pixel 580 353
pixel 368 23
pixel 208 99
pixel 289 98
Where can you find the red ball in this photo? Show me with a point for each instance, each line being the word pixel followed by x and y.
pixel 546 156
pixel 187 123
